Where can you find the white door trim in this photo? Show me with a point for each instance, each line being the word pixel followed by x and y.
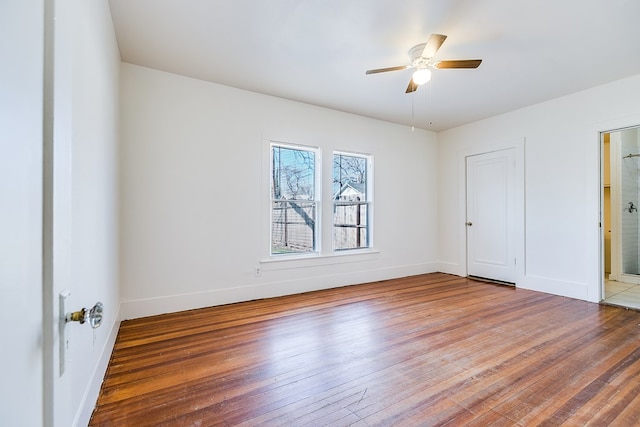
pixel 594 131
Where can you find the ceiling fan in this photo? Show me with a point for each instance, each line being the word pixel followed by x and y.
pixel 422 60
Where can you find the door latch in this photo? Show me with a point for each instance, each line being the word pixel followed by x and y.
pixel 468 223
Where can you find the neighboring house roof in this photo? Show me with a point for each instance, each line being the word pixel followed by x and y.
pixel 350 189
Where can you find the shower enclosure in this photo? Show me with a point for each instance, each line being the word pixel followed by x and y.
pixel 622 192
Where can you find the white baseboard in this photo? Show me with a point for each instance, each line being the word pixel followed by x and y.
pixel 451 268
pixel 179 302
pixel 563 288
pixel 90 397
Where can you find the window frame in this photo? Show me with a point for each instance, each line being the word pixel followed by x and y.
pixel 317 200
pixel 368 202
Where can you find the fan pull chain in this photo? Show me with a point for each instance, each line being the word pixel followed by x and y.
pixel 430 104
pixel 413 102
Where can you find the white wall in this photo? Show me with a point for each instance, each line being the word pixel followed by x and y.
pixel 194 194
pixel 85 207
pixel 562 184
pixel 21 361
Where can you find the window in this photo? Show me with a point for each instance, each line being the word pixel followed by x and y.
pixel 294 199
pixel 351 201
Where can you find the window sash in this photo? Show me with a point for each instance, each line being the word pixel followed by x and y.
pixel 293 227
pixel 351 220
pixel 351 225
pixel 294 214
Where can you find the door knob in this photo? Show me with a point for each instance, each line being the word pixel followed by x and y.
pixel 93 315
pixel 468 223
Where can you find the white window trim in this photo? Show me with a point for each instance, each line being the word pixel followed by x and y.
pixel 317 199
pixel 276 263
pixel 369 202
pixel 323 255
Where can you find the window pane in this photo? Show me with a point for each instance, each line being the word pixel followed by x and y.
pixel 350 202
pixel 293 174
pixel 349 177
pixel 293 227
pixel 350 226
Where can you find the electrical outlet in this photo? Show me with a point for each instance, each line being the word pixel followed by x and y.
pixel 258 271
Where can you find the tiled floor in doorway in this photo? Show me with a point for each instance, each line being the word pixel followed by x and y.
pixel 623 294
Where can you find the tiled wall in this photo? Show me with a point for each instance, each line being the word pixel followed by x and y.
pixel 630 221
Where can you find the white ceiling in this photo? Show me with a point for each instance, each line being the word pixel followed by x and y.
pixel 317 51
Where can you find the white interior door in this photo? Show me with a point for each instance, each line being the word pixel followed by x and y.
pixel 490 215
pixel 21 116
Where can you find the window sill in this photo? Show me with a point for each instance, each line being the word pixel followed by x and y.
pixel 285 262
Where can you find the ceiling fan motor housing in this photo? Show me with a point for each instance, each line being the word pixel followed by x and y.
pixel 416 51
pixel 417 60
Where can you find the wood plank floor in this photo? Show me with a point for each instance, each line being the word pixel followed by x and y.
pixel 432 349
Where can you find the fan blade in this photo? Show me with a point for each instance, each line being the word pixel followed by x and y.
pixel 412 87
pixel 384 70
pixel 433 44
pixel 462 63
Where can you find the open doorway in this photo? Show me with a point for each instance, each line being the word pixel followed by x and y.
pixel 621 218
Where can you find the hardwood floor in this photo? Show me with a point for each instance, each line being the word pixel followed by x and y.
pixel 433 349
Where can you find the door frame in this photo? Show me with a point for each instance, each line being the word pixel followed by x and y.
pixel 615 210
pixel 596 182
pixel 519 220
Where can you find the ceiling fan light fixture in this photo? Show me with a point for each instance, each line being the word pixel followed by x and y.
pixel 421 76
pixel 422 62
